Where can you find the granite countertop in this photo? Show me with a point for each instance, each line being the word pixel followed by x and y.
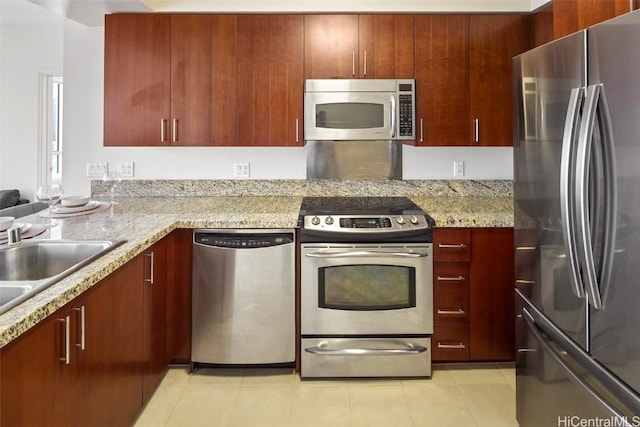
pixel 142 221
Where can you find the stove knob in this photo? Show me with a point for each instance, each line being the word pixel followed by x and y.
pixel 315 220
pixel 400 220
pixel 328 220
pixel 414 220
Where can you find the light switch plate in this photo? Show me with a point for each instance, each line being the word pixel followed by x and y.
pixel 458 168
pixel 96 169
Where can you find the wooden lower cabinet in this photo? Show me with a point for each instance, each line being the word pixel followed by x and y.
pixel 98 359
pixel 80 366
pixel 473 295
pixel 491 314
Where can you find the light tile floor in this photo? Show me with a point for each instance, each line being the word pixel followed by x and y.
pixel 460 397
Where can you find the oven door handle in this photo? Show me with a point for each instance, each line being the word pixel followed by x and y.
pixel 366 254
pixel 323 351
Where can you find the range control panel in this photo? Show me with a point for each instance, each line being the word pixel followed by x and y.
pixel 369 224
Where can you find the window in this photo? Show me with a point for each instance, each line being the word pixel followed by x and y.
pixel 56 128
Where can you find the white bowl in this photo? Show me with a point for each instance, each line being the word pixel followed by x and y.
pixel 6 222
pixel 73 201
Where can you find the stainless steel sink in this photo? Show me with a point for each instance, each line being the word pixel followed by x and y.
pixel 34 265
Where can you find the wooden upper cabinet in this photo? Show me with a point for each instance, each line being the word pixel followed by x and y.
pixel 330 46
pixel 570 16
pixel 543 23
pixel 137 79
pixel 270 79
pixel 203 79
pixel 386 46
pixel 494 41
pixel 170 80
pixel 359 46
pixel 442 79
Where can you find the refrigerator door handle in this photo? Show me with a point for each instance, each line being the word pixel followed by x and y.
pixel 568 369
pixel 596 109
pixel 567 170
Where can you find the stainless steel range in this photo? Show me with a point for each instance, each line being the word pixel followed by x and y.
pixel 366 287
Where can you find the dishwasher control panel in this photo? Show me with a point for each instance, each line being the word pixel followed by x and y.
pixel 234 240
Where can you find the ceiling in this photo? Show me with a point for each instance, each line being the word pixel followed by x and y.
pixel 91 12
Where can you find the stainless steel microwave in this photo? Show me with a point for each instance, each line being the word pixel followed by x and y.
pixel 359 109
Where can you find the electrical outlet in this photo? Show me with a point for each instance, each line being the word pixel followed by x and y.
pixel 96 169
pixel 125 169
pixel 241 170
pixel 458 168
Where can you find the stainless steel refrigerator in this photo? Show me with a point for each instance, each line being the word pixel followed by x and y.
pixel 577 228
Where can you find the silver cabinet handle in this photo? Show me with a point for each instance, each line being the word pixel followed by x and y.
pixel 458 312
pixel 297 130
pixel 366 254
pixel 455 346
pixel 451 279
pixel 421 130
pixel 353 63
pixel 82 324
pixel 525 282
pixel 174 130
pixel 66 357
pixel 476 126
pixel 365 63
pixel 323 351
pixel 452 246
pixel 150 279
pixel 163 128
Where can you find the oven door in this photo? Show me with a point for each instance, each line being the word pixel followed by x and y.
pixel 366 289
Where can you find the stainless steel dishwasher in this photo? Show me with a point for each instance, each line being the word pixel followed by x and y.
pixel 243 296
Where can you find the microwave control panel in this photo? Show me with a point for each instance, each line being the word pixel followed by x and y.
pixel 406 108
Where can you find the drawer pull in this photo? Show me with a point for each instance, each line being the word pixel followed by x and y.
pixel 452 246
pixel 450 279
pixel 454 346
pixel 458 312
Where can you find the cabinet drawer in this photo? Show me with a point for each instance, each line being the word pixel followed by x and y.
pixel 451 275
pixel 451 244
pixel 450 344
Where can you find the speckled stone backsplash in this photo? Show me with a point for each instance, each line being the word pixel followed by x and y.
pixel 204 188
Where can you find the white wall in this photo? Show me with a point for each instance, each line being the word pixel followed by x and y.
pixel 25 52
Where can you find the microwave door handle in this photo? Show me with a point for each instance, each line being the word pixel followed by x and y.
pixel 393 116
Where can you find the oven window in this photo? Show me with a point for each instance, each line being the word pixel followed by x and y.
pixel 350 115
pixel 366 287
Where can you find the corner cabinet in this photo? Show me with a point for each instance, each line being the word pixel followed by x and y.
pixel 96 360
pixel 359 46
pixel 270 80
pixel 170 80
pixel 473 295
pixel 81 365
pixel 463 77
